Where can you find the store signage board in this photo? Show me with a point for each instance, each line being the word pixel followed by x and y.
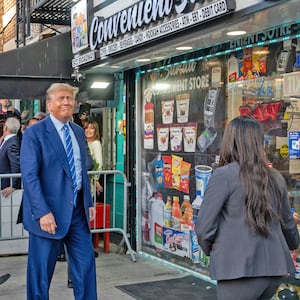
pixel 151 20
pixel 83 59
pixel 79 32
pixel 291 86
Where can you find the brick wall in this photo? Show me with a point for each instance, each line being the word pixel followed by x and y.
pixel 9 32
pixel 1 27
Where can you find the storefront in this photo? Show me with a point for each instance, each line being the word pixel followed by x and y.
pixel 178 104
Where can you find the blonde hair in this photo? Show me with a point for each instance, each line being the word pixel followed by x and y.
pixel 61 86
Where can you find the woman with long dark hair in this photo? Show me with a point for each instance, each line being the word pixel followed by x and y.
pixel 245 223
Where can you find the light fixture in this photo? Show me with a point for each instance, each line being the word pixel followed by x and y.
pixel 99 85
pixel 143 59
pixel 236 32
pixel 161 86
pixel 184 48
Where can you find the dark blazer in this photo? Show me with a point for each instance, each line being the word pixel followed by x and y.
pixel 223 234
pixel 47 180
pixel 10 161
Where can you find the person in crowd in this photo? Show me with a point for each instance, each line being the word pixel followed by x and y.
pixel 40 115
pixel 83 115
pixel 10 155
pixel 7 111
pixel 32 121
pixel 57 202
pixel 92 135
pixel 245 223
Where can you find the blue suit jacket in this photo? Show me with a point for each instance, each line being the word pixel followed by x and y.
pixel 47 180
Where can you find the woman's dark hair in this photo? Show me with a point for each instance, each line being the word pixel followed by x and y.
pixel 243 142
pixel 95 125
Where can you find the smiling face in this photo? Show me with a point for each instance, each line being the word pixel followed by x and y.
pixel 61 104
pixel 90 132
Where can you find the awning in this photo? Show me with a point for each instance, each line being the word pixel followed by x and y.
pixel 27 72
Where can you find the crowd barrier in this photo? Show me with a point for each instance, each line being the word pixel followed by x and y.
pixel 111 213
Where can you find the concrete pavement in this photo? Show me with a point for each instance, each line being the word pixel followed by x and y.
pixel 113 269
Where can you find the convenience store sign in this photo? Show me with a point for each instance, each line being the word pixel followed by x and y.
pixel 144 13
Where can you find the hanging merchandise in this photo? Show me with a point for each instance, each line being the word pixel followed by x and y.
pixel 148 120
pixel 209 134
pixel 286 58
pixel 297 64
pixel 233 68
pixel 259 61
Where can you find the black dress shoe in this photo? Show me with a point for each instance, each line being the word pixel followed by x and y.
pixel 70 284
pixel 3 278
pixel 96 253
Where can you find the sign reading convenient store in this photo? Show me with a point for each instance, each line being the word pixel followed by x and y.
pixel 114 34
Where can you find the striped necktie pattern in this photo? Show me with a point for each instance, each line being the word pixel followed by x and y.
pixel 70 156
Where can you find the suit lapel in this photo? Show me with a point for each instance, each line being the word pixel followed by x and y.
pixel 57 145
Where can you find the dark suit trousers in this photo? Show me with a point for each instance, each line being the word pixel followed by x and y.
pixel 248 288
pixel 42 256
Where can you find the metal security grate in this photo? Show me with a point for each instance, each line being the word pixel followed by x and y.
pixel 55 12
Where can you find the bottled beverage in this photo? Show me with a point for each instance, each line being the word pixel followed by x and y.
pixel 187 217
pixel 157 206
pixel 176 213
pixel 185 203
pixel 168 212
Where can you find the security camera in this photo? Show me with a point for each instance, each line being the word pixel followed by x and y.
pixel 80 77
pixel 77 76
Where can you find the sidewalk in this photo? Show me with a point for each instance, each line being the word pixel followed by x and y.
pixel 113 269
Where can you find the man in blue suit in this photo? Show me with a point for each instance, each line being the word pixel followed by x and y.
pixel 57 208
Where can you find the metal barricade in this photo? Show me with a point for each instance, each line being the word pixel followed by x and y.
pixel 13 237
pixel 111 217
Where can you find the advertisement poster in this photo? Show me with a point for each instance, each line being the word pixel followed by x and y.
pixel 182 125
pixel 294 145
pixel 79 34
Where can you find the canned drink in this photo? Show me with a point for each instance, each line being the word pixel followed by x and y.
pixel 204 259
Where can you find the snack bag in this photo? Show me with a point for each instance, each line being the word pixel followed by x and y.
pixel 167 170
pixel 159 175
pixel 176 171
pixel 185 177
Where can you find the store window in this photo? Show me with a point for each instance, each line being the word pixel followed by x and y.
pixel 185 107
